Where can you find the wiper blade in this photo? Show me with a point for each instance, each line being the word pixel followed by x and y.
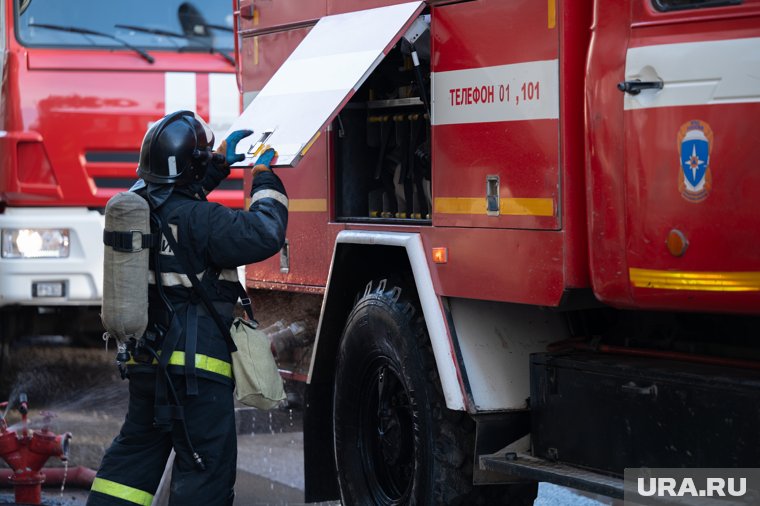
pixel 87 31
pixel 168 33
pixel 217 27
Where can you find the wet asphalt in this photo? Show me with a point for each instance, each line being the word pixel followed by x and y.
pixel 81 392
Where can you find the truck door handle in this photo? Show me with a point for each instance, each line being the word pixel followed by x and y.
pixel 247 11
pixel 634 87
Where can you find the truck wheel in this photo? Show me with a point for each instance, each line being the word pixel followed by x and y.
pixel 396 443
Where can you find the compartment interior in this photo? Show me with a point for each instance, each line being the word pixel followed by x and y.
pixel 382 142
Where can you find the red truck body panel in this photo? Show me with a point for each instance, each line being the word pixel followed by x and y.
pixel 588 197
pixel 77 95
pixel 638 193
pixel 89 108
pixel 475 150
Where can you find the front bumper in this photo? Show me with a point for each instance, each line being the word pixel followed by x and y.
pixel 81 273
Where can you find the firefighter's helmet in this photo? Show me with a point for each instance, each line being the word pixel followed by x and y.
pixel 176 150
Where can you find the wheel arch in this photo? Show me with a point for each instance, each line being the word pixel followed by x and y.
pixel 362 256
pixel 359 257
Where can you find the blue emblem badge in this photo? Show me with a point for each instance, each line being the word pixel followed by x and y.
pixel 695 179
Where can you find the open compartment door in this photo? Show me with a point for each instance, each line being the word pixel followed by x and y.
pixel 318 78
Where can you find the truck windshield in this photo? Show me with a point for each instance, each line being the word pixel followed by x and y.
pixel 203 25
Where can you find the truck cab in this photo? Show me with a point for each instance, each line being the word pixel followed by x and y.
pixel 82 82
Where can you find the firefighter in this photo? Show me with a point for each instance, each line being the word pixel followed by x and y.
pixel 188 406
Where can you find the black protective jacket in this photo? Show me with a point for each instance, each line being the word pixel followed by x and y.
pixel 213 240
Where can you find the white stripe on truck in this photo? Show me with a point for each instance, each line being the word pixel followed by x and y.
pixel 695 73
pixel 224 102
pixel 515 92
pixel 179 92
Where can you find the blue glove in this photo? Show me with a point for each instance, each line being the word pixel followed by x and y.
pixel 262 164
pixel 232 141
pixel 224 156
pixel 266 158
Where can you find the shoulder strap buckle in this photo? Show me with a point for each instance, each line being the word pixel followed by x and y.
pixel 132 241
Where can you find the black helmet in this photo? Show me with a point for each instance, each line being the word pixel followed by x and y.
pixel 176 149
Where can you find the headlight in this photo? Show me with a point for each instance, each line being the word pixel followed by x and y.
pixel 35 242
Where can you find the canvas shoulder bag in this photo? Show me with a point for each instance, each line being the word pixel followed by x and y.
pixel 257 379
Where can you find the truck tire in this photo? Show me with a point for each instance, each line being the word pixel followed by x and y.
pixel 396 443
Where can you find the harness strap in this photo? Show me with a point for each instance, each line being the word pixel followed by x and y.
pixel 125 241
pixel 169 412
pixel 191 320
pixel 165 414
pixel 191 343
pixel 245 301
pixel 198 288
pixel 162 410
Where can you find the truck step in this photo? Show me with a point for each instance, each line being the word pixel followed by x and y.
pixel 526 466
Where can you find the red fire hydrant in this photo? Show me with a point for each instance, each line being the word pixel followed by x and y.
pixel 27 452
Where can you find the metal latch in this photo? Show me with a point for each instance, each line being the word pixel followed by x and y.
pixel 492 196
pixel 258 146
pixel 285 258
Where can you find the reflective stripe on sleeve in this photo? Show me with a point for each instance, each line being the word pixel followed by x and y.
pixel 170 279
pixel 270 194
pixel 229 275
pixel 124 492
pixel 203 362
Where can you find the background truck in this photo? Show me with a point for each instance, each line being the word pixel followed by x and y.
pixel 532 227
pixel 82 80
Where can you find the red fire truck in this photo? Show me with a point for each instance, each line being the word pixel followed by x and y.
pixel 81 82
pixel 532 226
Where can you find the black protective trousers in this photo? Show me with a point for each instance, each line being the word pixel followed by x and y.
pixel 133 465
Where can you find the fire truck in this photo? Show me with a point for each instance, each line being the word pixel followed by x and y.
pixel 531 227
pixel 81 83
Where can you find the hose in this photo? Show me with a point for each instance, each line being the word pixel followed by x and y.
pixel 80 476
pixel 196 458
pixel 157 259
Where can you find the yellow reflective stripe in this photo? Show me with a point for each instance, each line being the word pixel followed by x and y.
pixel 695 280
pixel 513 206
pixel 203 362
pixel 527 207
pixel 307 205
pixel 552 22
pixel 310 143
pixel 125 492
